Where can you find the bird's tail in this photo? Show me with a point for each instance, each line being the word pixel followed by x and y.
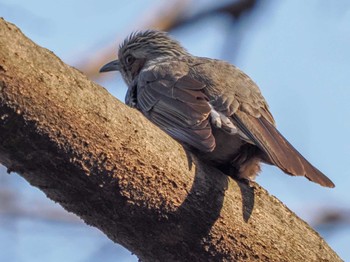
pixel 279 151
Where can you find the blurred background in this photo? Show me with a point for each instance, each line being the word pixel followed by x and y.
pixel 298 52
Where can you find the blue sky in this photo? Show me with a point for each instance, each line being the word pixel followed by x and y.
pixel 296 51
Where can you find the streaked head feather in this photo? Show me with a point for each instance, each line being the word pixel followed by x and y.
pixel 151 43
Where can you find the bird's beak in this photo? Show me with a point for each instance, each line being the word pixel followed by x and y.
pixel 111 66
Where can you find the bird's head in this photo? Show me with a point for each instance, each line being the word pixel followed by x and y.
pixel 140 48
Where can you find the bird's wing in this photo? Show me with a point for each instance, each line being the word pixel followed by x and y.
pixel 251 115
pixel 177 104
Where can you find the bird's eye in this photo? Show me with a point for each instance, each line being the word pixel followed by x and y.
pixel 129 59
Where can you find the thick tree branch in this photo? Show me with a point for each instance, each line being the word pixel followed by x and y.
pixel 106 163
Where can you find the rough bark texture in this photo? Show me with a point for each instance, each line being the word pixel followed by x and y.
pixel 110 166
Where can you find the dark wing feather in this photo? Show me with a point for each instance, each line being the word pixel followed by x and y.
pixel 239 97
pixel 178 106
pixel 280 152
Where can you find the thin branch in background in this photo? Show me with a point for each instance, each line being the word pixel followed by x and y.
pixel 161 17
pixel 12 206
pixel 168 17
pixel 332 216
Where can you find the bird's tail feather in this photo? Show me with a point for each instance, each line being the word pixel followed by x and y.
pixel 279 151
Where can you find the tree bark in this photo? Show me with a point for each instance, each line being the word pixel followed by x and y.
pixel 106 163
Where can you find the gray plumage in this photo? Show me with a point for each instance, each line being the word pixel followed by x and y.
pixel 211 107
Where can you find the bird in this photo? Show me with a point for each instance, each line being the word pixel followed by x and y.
pixel 211 107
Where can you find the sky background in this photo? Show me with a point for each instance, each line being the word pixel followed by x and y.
pixel 296 51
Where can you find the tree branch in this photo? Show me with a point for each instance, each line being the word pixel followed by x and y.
pixel 110 166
